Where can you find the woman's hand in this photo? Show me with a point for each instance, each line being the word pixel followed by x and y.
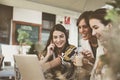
pixel 50 49
pixel 87 55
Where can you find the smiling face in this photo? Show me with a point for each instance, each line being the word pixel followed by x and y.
pixel 84 30
pixel 59 39
pixel 98 28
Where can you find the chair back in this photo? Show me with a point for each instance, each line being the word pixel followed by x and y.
pixel 1 60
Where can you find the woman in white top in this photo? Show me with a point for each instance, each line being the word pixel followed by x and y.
pixel 88 42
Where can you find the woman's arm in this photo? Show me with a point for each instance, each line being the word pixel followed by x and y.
pixel 51 64
pixel 44 59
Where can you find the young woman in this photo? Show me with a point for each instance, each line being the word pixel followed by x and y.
pixel 88 42
pixel 59 54
pixel 99 26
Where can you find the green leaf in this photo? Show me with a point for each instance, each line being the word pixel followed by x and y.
pixel 23 37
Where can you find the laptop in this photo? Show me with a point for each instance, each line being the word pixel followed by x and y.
pixel 29 67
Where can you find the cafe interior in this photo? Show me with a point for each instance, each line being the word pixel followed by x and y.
pixel 36 18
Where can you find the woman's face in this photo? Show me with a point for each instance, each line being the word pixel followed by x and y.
pixel 84 30
pixel 59 39
pixel 97 28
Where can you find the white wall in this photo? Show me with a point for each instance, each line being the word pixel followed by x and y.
pixel 27 15
pixel 73 38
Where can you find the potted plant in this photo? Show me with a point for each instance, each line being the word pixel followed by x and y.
pixel 23 39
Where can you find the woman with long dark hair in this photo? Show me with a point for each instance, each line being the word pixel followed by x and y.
pixel 59 54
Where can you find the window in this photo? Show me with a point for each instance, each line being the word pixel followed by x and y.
pixel 48 21
pixel 5 23
pixel 34 31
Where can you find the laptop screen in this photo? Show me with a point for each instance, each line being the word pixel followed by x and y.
pixel 29 67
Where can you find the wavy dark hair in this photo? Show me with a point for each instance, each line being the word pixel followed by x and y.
pixel 85 15
pixel 100 15
pixel 57 27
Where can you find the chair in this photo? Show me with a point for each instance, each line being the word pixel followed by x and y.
pixel 6 74
pixel 1 60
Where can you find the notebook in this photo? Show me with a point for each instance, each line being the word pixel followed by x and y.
pixel 29 67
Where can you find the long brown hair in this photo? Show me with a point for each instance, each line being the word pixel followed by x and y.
pixel 57 27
